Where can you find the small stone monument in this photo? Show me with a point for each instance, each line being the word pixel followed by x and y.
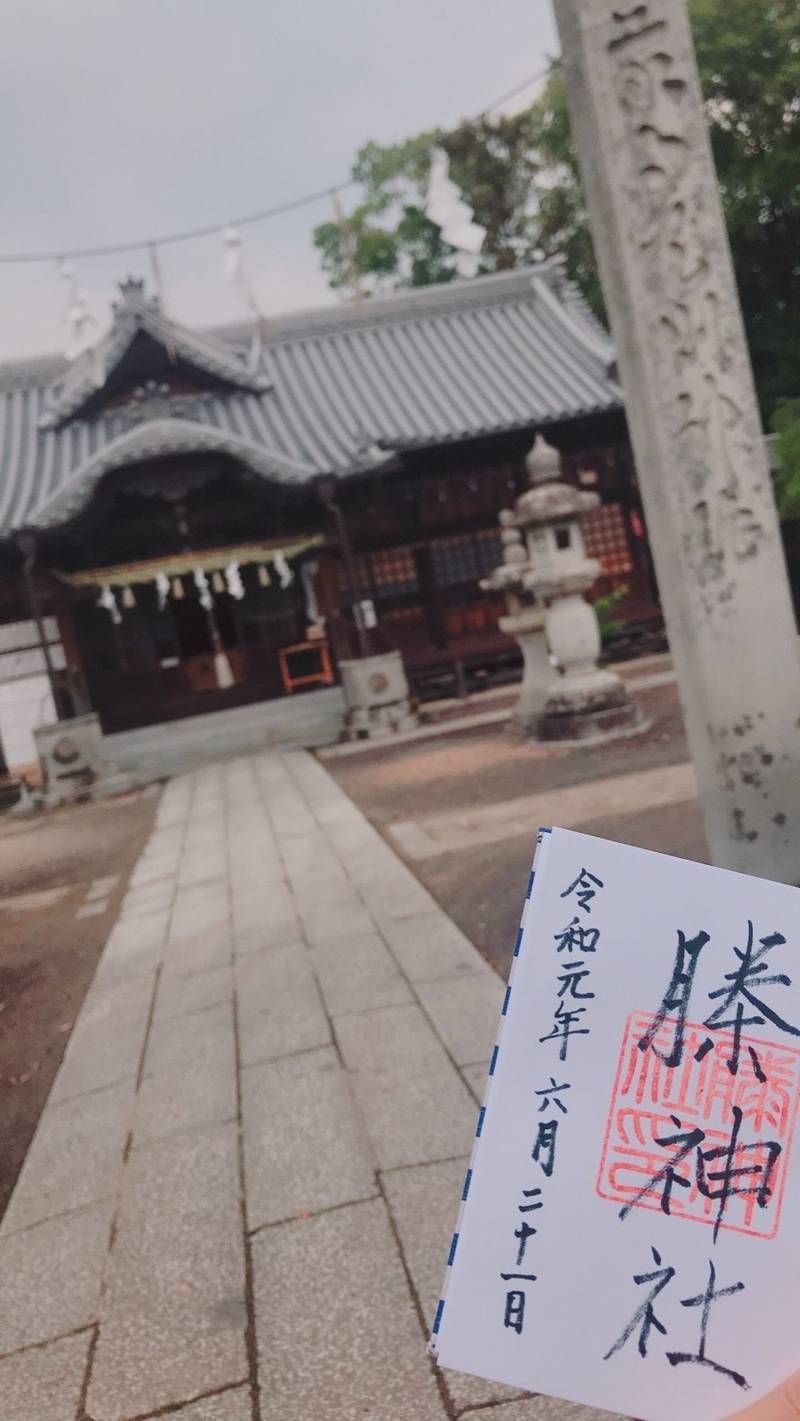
pixel 377 697
pixel 546 584
pixel 74 763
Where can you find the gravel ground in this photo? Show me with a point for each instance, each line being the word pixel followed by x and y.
pixel 483 888
pixel 47 953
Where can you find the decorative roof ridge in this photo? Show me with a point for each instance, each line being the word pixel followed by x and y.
pixel 407 303
pixel 495 288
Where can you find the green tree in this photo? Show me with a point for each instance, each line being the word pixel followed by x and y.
pixel 388 240
pixel 786 451
pixel 563 217
pixel 520 175
pixel 749 60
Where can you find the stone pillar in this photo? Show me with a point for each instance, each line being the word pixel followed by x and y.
pixel 702 466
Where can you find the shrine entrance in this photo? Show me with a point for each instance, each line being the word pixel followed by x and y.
pixel 158 642
pixel 183 584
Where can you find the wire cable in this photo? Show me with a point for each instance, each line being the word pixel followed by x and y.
pixel 209 229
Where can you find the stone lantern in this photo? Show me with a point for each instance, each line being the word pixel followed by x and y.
pixel 578 701
pixel 524 621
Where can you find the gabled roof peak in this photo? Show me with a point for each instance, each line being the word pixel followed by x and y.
pixel 84 380
pixel 134 296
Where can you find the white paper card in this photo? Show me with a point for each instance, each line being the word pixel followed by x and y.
pixel 630 1233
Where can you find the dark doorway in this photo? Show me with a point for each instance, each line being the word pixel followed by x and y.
pixel 191 628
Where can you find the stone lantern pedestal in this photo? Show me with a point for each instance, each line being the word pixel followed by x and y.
pixel 525 622
pixel 527 628
pixel 583 702
pixel 545 575
pixel 74 763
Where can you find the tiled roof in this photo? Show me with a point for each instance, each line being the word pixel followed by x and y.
pixel 335 387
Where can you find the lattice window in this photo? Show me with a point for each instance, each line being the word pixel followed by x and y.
pixel 466 558
pixel 454 561
pixel 606 536
pixel 489 551
pixel 389 573
pixel 394 572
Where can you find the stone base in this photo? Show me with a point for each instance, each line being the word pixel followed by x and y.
pixel 369 723
pixel 103 787
pixel 538 676
pixel 377 697
pixel 591 708
pixel 74 763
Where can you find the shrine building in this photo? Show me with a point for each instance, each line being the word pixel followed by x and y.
pixel 196 521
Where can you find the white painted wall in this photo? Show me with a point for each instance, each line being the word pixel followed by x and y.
pixel 25 697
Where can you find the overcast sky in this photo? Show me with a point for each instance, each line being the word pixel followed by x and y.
pixel 130 118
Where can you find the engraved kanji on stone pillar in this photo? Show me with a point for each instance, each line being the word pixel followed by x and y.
pixel 702 465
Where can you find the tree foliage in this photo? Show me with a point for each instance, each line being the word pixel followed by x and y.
pixel 388 240
pixel 749 57
pixel 786 451
pixel 520 175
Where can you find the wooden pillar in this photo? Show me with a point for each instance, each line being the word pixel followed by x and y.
pixel 326 487
pixel 73 657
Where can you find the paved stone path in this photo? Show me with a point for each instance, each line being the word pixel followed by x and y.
pixel 238 1201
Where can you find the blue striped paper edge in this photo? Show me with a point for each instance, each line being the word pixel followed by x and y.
pixel 437 1321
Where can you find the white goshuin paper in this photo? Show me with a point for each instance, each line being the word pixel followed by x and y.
pixel 584 1255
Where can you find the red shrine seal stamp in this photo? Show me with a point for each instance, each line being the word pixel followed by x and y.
pixel 711 1128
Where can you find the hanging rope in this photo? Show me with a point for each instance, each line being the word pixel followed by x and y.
pixel 190 234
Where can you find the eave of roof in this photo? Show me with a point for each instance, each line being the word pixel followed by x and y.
pixel 349 388
pixel 158 439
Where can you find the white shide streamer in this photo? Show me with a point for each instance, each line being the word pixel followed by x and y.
pixel 445 206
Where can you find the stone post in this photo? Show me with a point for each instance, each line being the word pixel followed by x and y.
pixel 643 145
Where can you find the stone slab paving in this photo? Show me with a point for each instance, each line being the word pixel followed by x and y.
pixel 239 1199
pixel 73 1160
pixel 172 1319
pixel 280 1007
pixel 305 1148
pixel 51 1277
pixel 344 1290
pixel 421 1202
pixel 45 1383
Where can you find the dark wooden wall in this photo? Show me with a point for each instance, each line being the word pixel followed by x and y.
pixel 423 535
